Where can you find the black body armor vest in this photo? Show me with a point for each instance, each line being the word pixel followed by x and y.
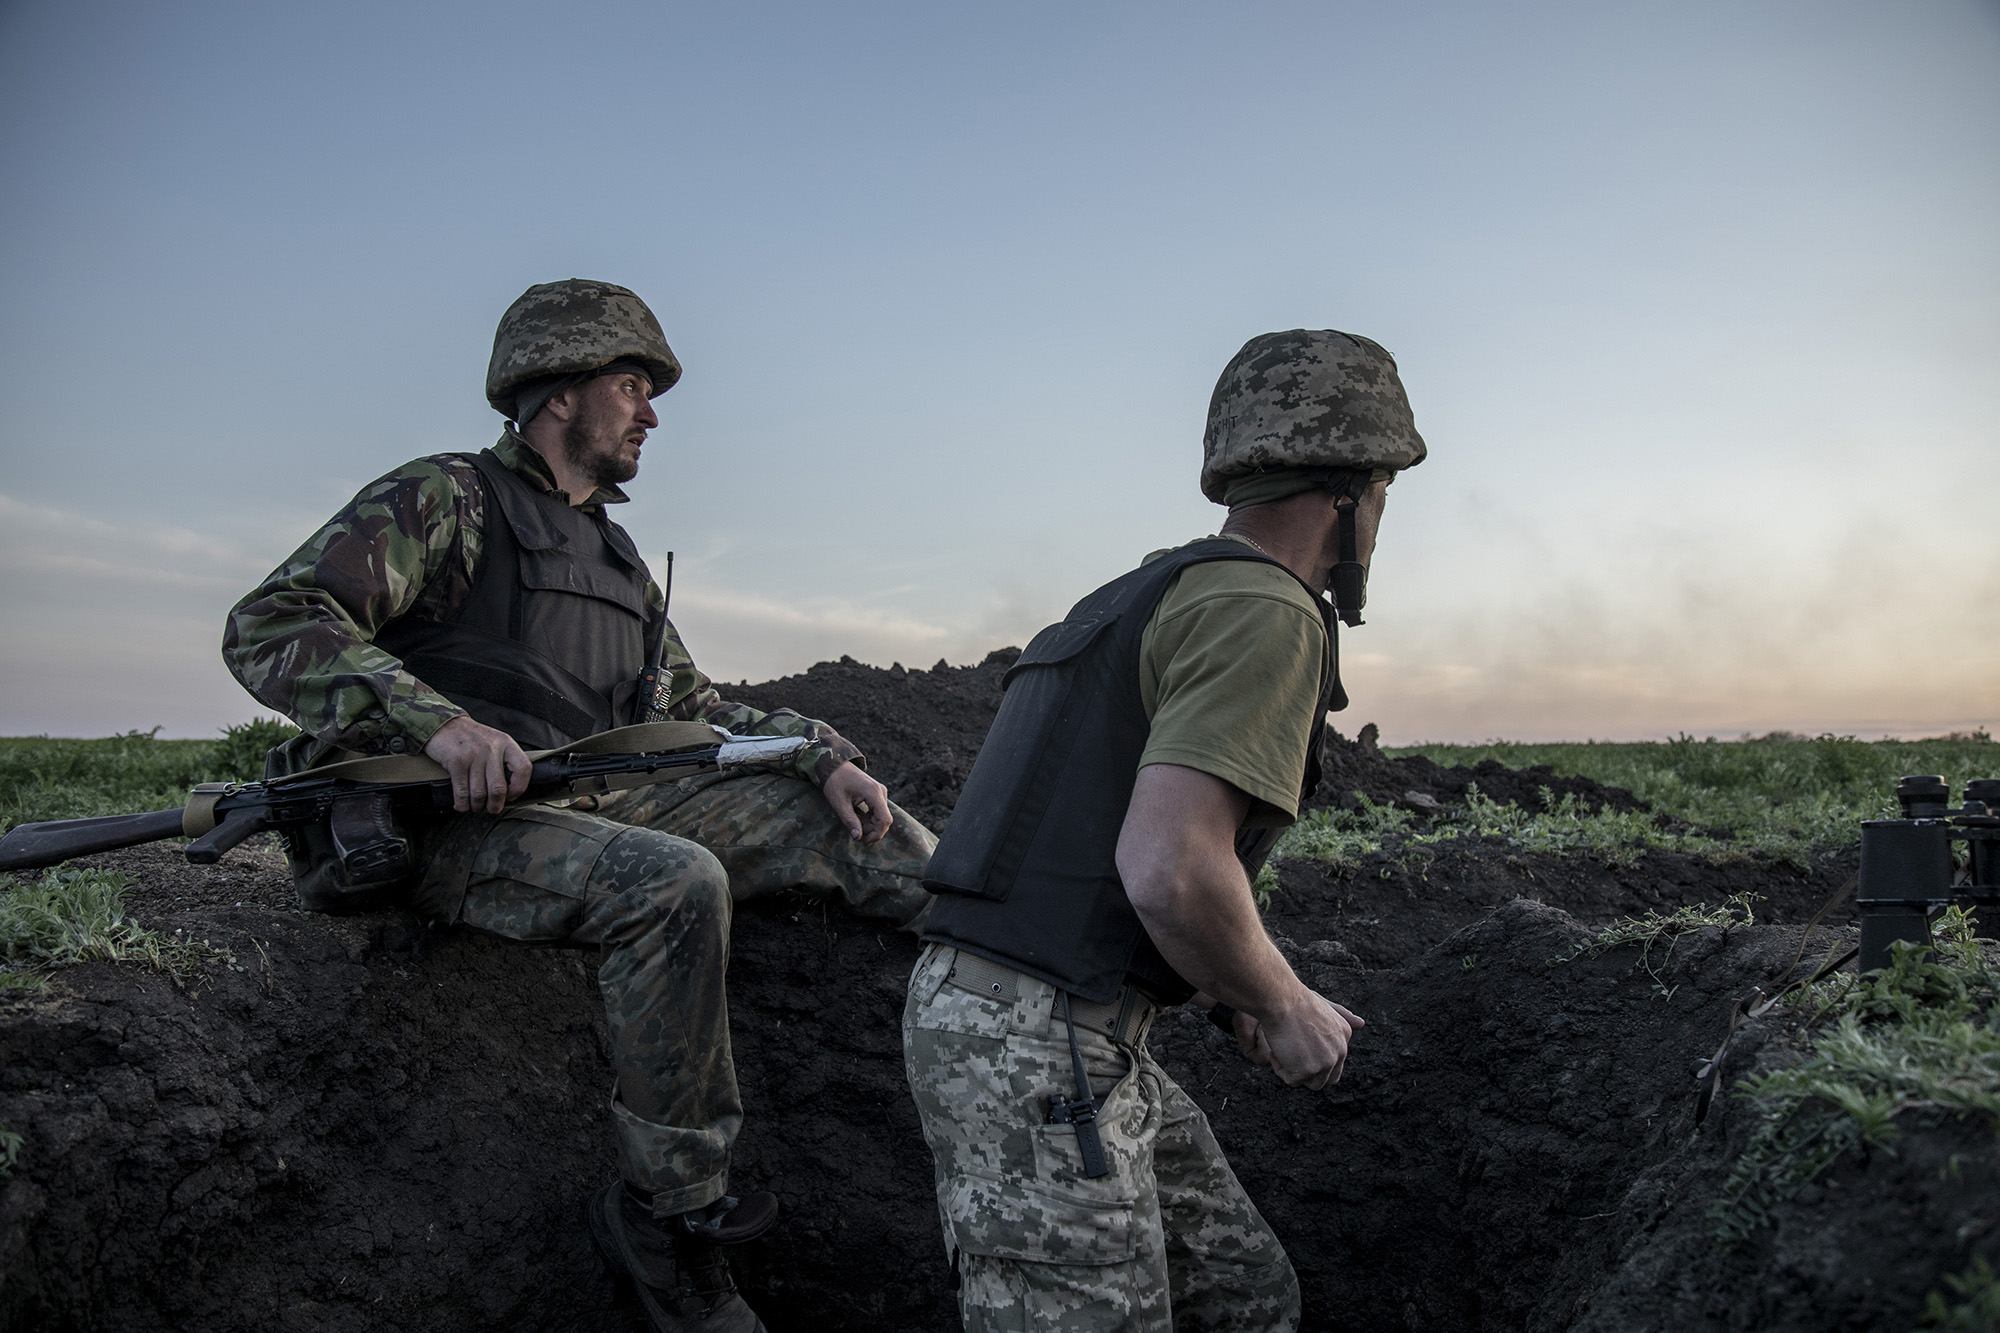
pixel 1026 873
pixel 551 639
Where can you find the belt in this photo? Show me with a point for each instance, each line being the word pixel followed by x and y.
pixel 1120 1018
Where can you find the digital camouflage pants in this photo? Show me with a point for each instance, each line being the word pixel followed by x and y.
pixel 1167 1241
pixel 649 877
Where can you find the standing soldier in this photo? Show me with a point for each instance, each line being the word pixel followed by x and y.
pixel 467 605
pixel 1098 866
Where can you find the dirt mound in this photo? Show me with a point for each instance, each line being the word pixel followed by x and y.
pixel 1358 768
pixel 365 1124
pixel 921 729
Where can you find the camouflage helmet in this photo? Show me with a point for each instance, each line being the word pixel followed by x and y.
pixel 1307 398
pixel 571 328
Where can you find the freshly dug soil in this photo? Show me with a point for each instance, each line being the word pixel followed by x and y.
pixel 365 1124
pixel 921 730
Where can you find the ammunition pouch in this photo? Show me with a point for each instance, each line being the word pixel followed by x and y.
pixel 360 858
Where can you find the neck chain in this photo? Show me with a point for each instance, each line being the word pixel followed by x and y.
pixel 1253 544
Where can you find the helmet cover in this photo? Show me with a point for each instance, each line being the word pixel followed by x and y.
pixel 573 327
pixel 1307 398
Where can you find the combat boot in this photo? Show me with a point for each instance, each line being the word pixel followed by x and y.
pixel 676 1263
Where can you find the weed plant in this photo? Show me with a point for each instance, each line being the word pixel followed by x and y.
pixel 1342 839
pixel 78 916
pixel 1973 1305
pixel 1651 929
pixel 1266 886
pixel 1917 1040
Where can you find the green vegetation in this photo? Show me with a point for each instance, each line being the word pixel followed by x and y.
pixel 73 916
pixel 42 778
pixel 1266 886
pixel 1974 1305
pixel 1787 795
pixel 1565 828
pixel 1341 839
pixel 78 916
pixel 1652 928
pixel 1920 1038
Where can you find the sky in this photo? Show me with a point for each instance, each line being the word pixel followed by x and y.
pixel 1698 307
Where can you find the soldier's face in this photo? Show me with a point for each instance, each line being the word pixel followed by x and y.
pixel 608 427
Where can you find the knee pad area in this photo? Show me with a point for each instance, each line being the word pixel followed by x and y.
pixel 662 870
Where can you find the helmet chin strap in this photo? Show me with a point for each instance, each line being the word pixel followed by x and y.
pixel 1350 576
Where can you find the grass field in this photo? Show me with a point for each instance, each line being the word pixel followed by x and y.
pixel 1749 785
pixel 44 778
pixel 1789 796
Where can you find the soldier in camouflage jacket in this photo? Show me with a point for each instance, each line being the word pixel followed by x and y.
pixel 483 572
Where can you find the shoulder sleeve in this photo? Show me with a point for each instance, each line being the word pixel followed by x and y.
pixel 1230 671
pixel 301 641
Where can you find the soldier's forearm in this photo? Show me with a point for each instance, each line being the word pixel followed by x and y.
pixel 1203 919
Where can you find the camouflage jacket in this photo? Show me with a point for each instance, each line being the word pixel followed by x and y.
pixel 302 641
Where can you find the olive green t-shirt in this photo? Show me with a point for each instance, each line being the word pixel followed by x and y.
pixel 1229 674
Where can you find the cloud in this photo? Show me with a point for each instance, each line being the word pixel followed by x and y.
pixel 39 543
pixel 751 610
pixel 1709 632
pixel 162 538
pixel 754 636
pixel 39 564
pixel 1709 627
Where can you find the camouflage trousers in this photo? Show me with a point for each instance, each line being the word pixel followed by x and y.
pixel 775 833
pixel 1168 1240
pixel 655 898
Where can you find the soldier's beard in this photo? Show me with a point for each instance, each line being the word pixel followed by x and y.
pixel 596 452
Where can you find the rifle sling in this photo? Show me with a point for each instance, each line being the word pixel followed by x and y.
pixel 198 815
pixel 644 738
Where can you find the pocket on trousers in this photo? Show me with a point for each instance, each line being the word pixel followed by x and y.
pixel 1011 1220
pixel 527 878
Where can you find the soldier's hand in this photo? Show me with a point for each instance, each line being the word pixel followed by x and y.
pixel 486 767
pixel 1306 1044
pixel 1249 1034
pixel 859 802
pixel 1243 1028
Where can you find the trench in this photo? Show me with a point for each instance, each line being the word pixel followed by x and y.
pixel 363 1124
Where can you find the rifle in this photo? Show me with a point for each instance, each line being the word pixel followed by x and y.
pixel 347 824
